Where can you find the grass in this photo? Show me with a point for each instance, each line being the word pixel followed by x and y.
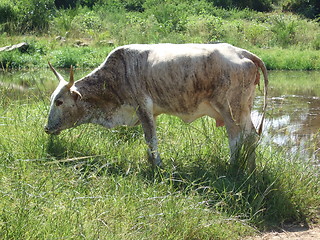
pixel 41 50
pixel 285 41
pixel 93 183
pixel 289 59
pixel 93 56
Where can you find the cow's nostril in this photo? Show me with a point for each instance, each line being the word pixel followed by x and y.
pixel 46 129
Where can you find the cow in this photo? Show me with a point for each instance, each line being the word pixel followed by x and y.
pixel 138 82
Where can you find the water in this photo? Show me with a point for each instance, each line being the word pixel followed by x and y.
pixel 292 123
pixel 293 120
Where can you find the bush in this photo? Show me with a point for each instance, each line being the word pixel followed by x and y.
pixel 26 16
pixel 88 23
pixel 258 5
pixel 73 3
pixel 256 34
pixel 309 9
pixel 35 15
pixel 316 43
pixel 204 28
pixel 284 30
pixel 171 16
pixel 8 16
pixel 134 5
pixel 7 12
pixel 63 21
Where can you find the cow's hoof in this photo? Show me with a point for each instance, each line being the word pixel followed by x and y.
pixel 155 160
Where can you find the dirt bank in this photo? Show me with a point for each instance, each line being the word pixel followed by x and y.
pixel 291 233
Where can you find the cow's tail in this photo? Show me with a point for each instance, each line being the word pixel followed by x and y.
pixel 260 64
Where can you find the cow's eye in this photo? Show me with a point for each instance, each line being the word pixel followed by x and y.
pixel 58 103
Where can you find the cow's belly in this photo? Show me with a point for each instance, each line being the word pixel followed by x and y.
pixel 203 109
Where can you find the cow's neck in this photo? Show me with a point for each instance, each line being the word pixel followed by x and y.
pixel 98 97
pixel 91 85
pixel 100 84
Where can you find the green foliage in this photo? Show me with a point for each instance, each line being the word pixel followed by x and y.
pixel 285 30
pixel 316 43
pixel 309 9
pixel 79 57
pixel 289 59
pixel 63 20
pixel 7 11
pixel 258 5
pixel 8 16
pixel 152 21
pixel 86 23
pixel 26 16
pixel 74 3
pixel 35 15
pixel 256 34
pixel 134 5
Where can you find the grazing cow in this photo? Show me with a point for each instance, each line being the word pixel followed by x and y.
pixel 138 82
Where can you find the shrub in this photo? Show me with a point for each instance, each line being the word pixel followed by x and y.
pixel 309 9
pixel 88 22
pixel 316 43
pixel 35 15
pixel 284 30
pixel 256 34
pixel 63 20
pixel 17 60
pixel 66 57
pixel 258 5
pixel 7 12
pixel 171 16
pixel 8 16
pixel 134 5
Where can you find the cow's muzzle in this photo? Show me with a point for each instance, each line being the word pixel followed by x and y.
pixel 52 132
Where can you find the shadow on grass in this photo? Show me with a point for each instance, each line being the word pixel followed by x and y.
pixel 259 197
pixel 56 147
pixel 81 158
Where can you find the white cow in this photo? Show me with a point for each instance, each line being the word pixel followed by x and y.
pixel 136 83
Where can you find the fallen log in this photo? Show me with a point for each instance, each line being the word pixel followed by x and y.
pixel 22 47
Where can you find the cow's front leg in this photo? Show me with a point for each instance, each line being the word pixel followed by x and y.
pixel 149 127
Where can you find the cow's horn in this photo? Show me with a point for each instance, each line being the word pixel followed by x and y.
pixel 60 78
pixel 71 82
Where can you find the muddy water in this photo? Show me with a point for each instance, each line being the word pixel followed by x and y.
pixel 292 123
pixel 293 120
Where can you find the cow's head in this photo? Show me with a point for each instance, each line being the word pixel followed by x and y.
pixel 64 109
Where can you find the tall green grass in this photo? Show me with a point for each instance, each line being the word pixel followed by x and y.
pixel 286 40
pixel 293 59
pixel 92 183
pixel 92 56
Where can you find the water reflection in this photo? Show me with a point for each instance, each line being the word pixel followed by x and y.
pixel 293 119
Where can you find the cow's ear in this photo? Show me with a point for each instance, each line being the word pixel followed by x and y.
pixel 75 94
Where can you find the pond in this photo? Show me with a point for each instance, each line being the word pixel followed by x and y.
pixel 293 120
pixel 292 123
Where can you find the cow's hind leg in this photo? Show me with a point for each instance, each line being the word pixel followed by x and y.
pixel 234 137
pixel 242 142
pixel 250 140
pixel 147 120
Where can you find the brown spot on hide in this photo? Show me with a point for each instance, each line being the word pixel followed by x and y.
pixel 219 123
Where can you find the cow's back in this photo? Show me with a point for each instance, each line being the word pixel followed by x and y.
pixel 177 77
